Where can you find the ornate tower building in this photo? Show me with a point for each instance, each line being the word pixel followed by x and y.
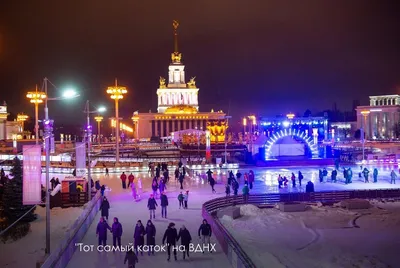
pixel 177 95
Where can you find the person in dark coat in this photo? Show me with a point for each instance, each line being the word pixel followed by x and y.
pixel 154 187
pixel 162 186
pixel 205 233
pixel 186 238
pixel 209 174
pixel 151 205
pixel 53 183
pixel 181 177
pixel 212 183
pixel 251 179
pixel 164 204
pixel 171 236
pixel 301 177
pixel 102 189
pixel 310 187
pixel 105 206
pixel 176 174
pixel 97 185
pixel 150 236
pixel 138 236
pixel 116 230
pixel 235 187
pixel 101 231
pixel 131 258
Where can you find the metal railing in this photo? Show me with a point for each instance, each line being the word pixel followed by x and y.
pixel 236 255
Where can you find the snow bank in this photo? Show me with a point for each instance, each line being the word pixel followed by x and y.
pixel 319 237
pixel 31 247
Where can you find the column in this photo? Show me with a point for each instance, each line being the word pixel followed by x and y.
pixel 155 127
pixel 159 99
pixel 167 122
pixel 179 125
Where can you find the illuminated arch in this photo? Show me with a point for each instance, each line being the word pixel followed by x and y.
pixel 302 135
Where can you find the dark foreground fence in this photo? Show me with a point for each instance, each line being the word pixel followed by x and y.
pixel 61 255
pixel 236 255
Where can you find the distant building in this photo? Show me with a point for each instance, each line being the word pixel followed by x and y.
pixel 380 120
pixel 178 106
pixel 10 129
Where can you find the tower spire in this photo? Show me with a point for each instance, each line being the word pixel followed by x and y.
pixel 175 24
pixel 176 56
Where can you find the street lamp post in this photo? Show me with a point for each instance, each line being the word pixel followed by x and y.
pixel 89 141
pixel 226 138
pixel 365 115
pixel 48 129
pixel 36 98
pixel 116 93
pixel 98 120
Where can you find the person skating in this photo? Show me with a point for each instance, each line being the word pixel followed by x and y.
pixel 139 186
pixel 235 187
pixel 280 181
pixel 104 207
pixel 176 174
pixel 345 176
pixel 325 175
pixel 154 187
pixel 134 192
pixel 164 204
pixel 350 175
pixel 186 199
pixel 366 175
pixel 151 205
pixel 205 233
pixel 209 174
pixel 101 231
pixel 251 179
pixel 334 175
pixel 245 191
pixel 227 190
pixel 375 174
pixel 107 174
pixel 321 176
pixel 123 180
pixel 131 178
pixel 181 177
pixel 301 177
pixel 131 258
pixel 212 183
pixel 116 230
pixel 162 187
pixel 186 238
pixel 231 177
pixel 293 178
pixel 102 189
pixel 166 175
pixel 171 236
pixel 180 199
pixel 393 177
pixel 310 187
pixel 238 175
pixel 138 236
pixel 150 236
pixel 246 178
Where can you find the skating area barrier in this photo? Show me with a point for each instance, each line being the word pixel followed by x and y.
pixel 61 255
pixel 236 255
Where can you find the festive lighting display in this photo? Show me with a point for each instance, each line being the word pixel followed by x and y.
pixel 284 133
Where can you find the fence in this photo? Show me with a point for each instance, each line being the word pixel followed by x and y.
pixel 236 256
pixel 66 200
pixel 60 257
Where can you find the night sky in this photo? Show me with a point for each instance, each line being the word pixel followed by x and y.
pixel 264 57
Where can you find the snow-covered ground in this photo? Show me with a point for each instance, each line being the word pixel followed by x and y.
pixel 323 237
pixel 26 251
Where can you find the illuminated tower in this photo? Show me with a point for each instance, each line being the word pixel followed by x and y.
pixel 177 94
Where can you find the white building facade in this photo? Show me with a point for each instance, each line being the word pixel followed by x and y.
pixel 380 120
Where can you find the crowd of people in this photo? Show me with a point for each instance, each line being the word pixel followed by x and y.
pixel 170 238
